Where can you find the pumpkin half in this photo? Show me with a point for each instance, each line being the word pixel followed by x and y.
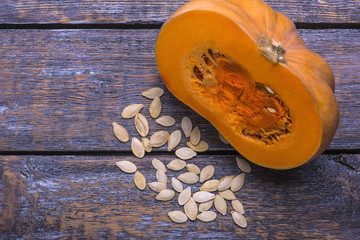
pixel 243 66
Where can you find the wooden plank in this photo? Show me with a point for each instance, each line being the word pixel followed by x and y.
pixel 150 11
pixel 89 197
pixel 61 89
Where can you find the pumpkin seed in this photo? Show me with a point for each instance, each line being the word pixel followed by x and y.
pixel 191 209
pixel 195 136
pixel 139 180
pixel 203 196
pixel 165 195
pixel 120 132
pixel 186 126
pixel 126 166
pixel 206 173
pixel 227 194
pixel 271 110
pixel 155 107
pixel 156 186
pixel 201 147
pixel 210 185
pixel 174 139
pixel 188 178
pixel 225 183
pixel 205 206
pixel 237 206
pixel 239 219
pixel 146 143
pixel 165 121
pixel 159 138
pixel 185 153
pixel 223 139
pixel 243 165
pixel 161 177
pixel 137 148
pixel 176 165
pixel 177 185
pixel 237 182
pixel 177 216
pixel 184 196
pixel 141 125
pixel 207 216
pixel 193 168
pixel 131 110
pixel 153 93
pixel 269 90
pixel 157 164
pixel 220 204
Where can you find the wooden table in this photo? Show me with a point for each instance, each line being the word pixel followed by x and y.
pixel 68 68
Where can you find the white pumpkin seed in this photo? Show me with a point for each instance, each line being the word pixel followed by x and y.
pixel 207 216
pixel 195 136
pixel 156 186
pixel 223 139
pixel 159 138
pixel 165 195
pixel 184 196
pixel 146 143
pixel 237 182
pixel 225 183
pixel 137 148
pixel 176 165
pixel 120 132
pixel 161 176
pixel 271 110
pixel 185 153
pixel 165 121
pixel 141 125
pixel 203 196
pixel 201 147
pixel 206 173
pixel 177 216
pixel 227 194
pixel 210 185
pixel 191 209
pixel 220 204
pixel 139 180
pixel 243 165
pixel 193 168
pixel 174 139
pixel 157 164
pixel 269 90
pixel 188 178
pixel 155 107
pixel 153 93
pixel 237 206
pixel 205 206
pixel 186 126
pixel 131 110
pixel 177 185
pixel 126 166
pixel 239 219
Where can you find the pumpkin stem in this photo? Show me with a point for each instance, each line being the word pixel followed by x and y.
pixel 272 50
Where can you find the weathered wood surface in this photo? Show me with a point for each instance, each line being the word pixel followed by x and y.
pixel 61 89
pixel 152 11
pixel 48 197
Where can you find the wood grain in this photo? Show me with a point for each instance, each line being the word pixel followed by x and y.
pixel 61 89
pixel 89 197
pixel 150 11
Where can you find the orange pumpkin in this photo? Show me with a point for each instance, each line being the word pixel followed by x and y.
pixel 243 66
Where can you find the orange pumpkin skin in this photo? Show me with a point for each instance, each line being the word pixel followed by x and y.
pixel 243 66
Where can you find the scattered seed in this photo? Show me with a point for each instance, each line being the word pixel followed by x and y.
pixel 161 177
pixel 206 173
pixel 146 143
pixel 186 126
pixel 165 195
pixel 237 206
pixel 141 125
pixel 126 166
pixel 243 165
pixel 188 178
pixel 237 182
pixel 157 164
pixel 185 153
pixel 201 147
pixel 131 110
pixel 177 216
pixel 220 204
pixel 155 107
pixel 120 132
pixel 177 185
pixel 195 136
pixel 153 93
pixel 184 196
pixel 223 139
pixel 174 139
pixel 165 121
pixel 207 216
pixel 203 196
pixel 139 180
pixel 210 185
pixel 205 206
pixel 269 90
pixel 159 138
pixel 191 209
pixel 225 183
pixel 227 194
pixel 137 148
pixel 176 165
pixel 239 219
pixel 193 168
pixel 156 186
pixel 271 110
